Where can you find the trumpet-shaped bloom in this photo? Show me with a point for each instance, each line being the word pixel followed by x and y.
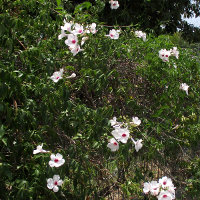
pixel 147 187
pixel 113 145
pixel 78 29
pixel 184 87
pixel 155 188
pixel 138 144
pixel 165 195
pixel 83 40
pixel 39 150
pixel 91 28
pixel 135 121
pixel 76 49
pixel 113 34
pixel 165 182
pixel 57 75
pixel 164 55
pixel 140 34
pixel 174 52
pixel 71 41
pixel 114 4
pixel 67 27
pixel 53 183
pixel 56 160
pixel 73 75
pixel 121 134
pixel 62 35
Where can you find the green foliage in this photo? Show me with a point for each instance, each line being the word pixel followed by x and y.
pixel 122 78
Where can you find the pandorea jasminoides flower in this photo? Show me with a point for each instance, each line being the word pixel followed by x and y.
pixel 71 41
pixel 92 28
pixel 75 49
pixel 138 144
pixel 53 183
pixel 62 35
pixel 135 121
pixel 73 75
pixel 78 29
pixel 83 40
pixel 184 87
pixel 140 34
pixel 39 150
pixel 147 187
pixel 174 52
pixel 57 75
pixel 114 4
pixel 165 182
pixel 56 160
pixel 165 195
pixel 121 134
pixel 113 34
pixel 155 188
pixel 113 145
pixel 66 27
pixel 115 123
pixel 164 55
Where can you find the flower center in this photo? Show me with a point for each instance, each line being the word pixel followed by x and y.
pixel 124 135
pixel 164 183
pixel 164 196
pixel 115 143
pixel 167 56
pixel 111 35
pixel 56 160
pixel 73 41
pixel 80 31
pixel 57 77
pixel 114 4
pixel 55 183
pixel 163 55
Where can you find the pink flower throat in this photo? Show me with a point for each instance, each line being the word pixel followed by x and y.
pixel 56 160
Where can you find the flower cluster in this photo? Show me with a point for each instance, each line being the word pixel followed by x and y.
pixel 163 189
pixel 165 54
pixel 73 32
pixel 140 34
pixel 122 135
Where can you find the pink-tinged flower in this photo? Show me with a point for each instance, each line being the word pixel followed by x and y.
pixel 39 150
pixel 83 40
pixel 62 35
pixel 53 183
pixel 67 27
pixel 140 34
pixel 174 52
pixel 165 182
pixel 113 145
pixel 135 121
pixel 164 55
pixel 121 134
pixel 56 160
pixel 138 144
pixel 165 195
pixel 155 188
pixel 114 4
pixel 78 29
pixel 73 75
pixel 113 34
pixel 147 187
pixel 57 75
pixel 184 87
pixel 71 41
pixel 76 49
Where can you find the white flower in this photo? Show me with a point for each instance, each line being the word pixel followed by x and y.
pixel 56 160
pixel 71 41
pixel 165 182
pixel 62 35
pixel 66 27
pixel 57 75
pixel 78 29
pixel 113 145
pixel 155 188
pixel 92 28
pixel 76 49
pixel 121 134
pixel 135 121
pixel 113 34
pixel 114 123
pixel 83 40
pixel 138 144
pixel 39 150
pixel 73 75
pixel 140 34
pixel 114 4
pixel 174 52
pixel 165 195
pixel 164 55
pixel 184 87
pixel 54 183
pixel 147 187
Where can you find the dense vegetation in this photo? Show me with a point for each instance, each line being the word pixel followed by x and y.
pixel 122 78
